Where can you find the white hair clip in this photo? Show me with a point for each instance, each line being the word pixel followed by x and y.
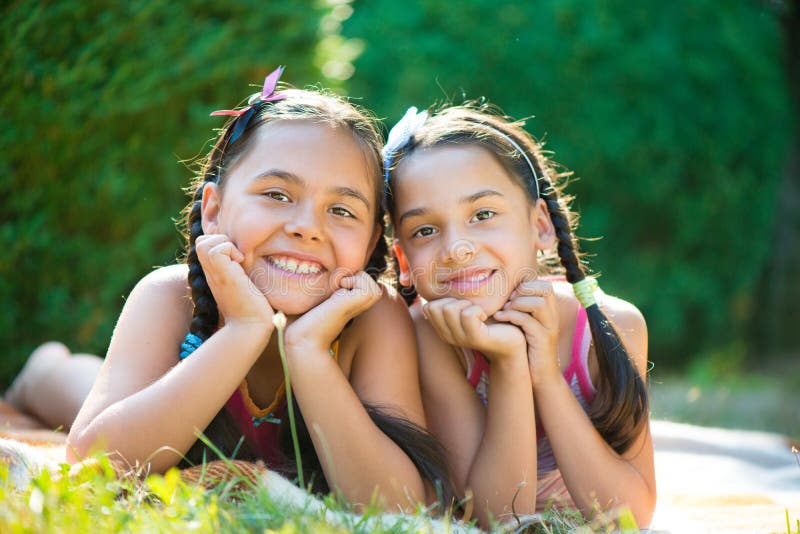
pixel 401 134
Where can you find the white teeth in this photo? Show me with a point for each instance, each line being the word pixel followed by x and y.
pixel 293 265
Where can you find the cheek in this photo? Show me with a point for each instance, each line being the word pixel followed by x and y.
pixel 352 249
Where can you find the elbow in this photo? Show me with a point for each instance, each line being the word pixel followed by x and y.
pixel 404 497
pixel 78 446
pixel 643 509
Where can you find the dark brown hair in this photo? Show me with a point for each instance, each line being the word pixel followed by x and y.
pixel 619 411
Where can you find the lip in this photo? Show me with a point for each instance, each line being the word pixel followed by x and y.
pixel 469 280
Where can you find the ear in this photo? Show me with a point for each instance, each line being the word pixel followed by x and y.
pixel 404 276
pixel 209 208
pixel 542 225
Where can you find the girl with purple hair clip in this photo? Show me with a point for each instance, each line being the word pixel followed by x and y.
pixel 534 384
pixel 286 214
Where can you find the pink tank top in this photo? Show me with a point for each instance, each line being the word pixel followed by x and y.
pixel 576 374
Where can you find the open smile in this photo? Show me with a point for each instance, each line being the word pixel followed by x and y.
pixel 295 266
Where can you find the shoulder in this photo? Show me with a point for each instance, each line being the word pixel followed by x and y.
pixel 630 325
pixel 381 333
pixel 385 322
pixel 624 314
pixel 390 307
pixel 162 295
pixel 172 278
pixel 626 318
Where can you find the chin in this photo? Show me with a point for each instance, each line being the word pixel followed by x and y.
pixel 294 305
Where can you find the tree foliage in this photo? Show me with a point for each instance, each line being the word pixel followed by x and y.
pixel 101 102
pixel 672 115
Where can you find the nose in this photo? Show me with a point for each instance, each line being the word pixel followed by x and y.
pixel 457 249
pixel 305 223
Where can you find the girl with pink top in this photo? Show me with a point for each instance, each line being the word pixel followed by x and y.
pixel 535 384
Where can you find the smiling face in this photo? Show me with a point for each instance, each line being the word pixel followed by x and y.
pixel 464 227
pixel 300 205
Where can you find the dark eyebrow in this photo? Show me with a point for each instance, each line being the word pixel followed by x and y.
pixel 352 193
pixel 464 200
pixel 479 195
pixel 283 175
pixel 411 213
pixel 295 179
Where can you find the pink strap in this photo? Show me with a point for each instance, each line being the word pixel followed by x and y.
pixel 579 364
pixel 479 366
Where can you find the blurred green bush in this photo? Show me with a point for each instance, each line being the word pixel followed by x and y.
pixel 100 102
pixel 674 116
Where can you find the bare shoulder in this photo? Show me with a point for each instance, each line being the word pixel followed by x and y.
pixel 630 325
pixel 146 339
pixel 389 312
pixel 626 316
pixel 171 279
pixel 385 323
pixel 159 305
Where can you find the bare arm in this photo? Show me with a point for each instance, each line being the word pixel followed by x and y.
pixel 592 470
pixel 357 458
pixel 142 400
pixel 492 452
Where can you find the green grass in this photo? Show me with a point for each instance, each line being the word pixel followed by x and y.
pixel 97 500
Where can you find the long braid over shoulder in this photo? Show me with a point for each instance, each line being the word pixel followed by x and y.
pixel 619 411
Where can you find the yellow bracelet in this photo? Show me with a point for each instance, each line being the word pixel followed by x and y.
pixel 584 291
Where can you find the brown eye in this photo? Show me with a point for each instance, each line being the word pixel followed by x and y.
pixel 425 231
pixel 277 195
pixel 342 212
pixel 483 215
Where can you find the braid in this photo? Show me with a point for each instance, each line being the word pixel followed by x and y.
pixel 619 410
pixel 377 264
pixel 222 431
pixel 205 316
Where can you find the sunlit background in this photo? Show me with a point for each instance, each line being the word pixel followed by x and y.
pixel 679 120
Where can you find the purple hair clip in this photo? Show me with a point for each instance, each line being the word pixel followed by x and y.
pixel 255 101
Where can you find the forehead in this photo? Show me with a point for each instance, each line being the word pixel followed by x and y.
pixel 451 172
pixel 318 153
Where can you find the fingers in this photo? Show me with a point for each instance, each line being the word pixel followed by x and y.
pixel 458 322
pixel 521 319
pixel 361 290
pixel 536 298
pixel 217 249
pixel 322 324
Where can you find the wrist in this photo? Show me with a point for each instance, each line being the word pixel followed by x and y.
pixel 250 329
pixel 546 374
pixel 508 362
